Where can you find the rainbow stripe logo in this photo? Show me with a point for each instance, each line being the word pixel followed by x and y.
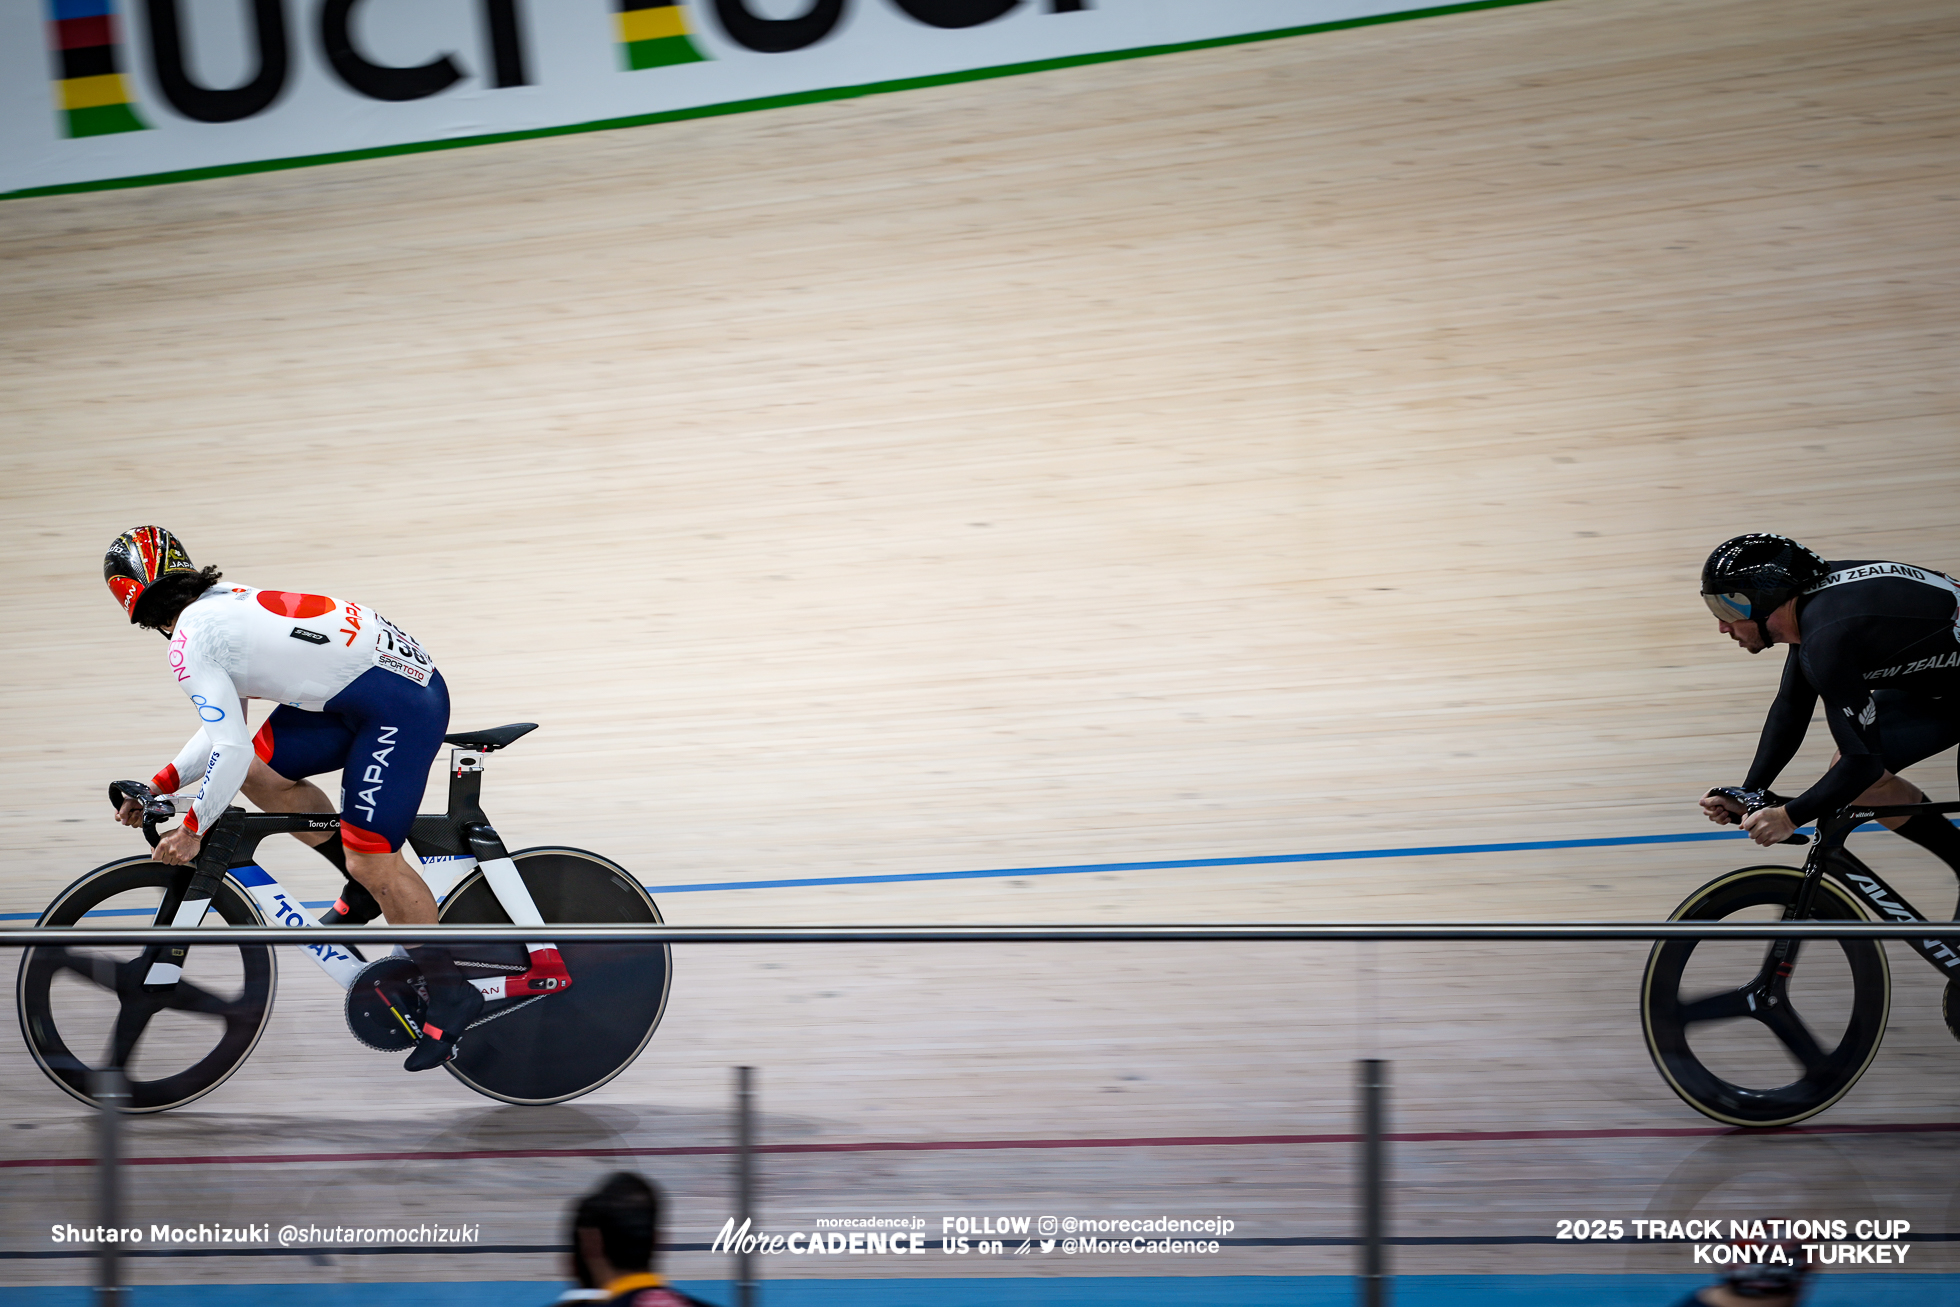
pixel 89 82
pixel 653 34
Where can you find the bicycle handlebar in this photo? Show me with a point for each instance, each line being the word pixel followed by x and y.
pixel 1755 801
pixel 156 807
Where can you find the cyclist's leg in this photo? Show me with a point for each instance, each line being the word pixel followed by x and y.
pixel 290 746
pixel 1912 728
pixel 396 730
pixel 1887 789
pixel 275 793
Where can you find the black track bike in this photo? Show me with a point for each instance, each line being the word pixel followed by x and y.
pixel 178 1020
pixel 1728 1021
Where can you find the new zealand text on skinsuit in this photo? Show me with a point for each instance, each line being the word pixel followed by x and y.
pixel 1867 629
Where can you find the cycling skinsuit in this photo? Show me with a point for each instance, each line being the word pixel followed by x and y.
pixel 356 693
pixel 1881 647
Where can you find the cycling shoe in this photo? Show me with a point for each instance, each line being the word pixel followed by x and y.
pixel 451 1009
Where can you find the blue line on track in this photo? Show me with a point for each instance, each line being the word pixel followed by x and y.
pixel 1084 868
pixel 1344 855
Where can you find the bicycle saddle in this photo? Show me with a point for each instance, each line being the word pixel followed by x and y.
pixel 501 737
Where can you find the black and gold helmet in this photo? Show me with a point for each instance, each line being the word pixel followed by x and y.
pixel 137 558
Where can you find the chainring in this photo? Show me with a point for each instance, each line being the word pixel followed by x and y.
pixel 386 1004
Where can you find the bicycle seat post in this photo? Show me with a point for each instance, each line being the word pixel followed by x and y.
pixel 466 786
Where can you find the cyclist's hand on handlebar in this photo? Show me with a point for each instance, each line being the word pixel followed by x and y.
pixel 1721 809
pixel 178 848
pixel 1769 826
pixel 130 813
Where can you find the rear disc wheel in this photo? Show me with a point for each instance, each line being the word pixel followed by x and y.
pixel 560 1046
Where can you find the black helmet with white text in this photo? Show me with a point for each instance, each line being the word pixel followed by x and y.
pixel 1751 576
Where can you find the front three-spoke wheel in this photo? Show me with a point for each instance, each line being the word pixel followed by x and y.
pixel 85 1009
pixel 1728 1024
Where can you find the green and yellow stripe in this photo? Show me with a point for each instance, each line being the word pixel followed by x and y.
pixel 653 34
pixel 89 84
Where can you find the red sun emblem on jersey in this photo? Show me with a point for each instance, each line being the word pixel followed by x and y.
pixel 288 604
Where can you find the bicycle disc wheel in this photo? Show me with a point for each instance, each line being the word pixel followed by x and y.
pixel 1719 1023
pixel 563 1045
pixel 83 1008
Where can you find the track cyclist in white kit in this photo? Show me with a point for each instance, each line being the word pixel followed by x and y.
pixel 356 694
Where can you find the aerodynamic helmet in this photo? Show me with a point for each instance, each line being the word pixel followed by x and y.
pixel 137 558
pixel 1748 578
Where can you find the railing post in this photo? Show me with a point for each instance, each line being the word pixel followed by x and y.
pixel 744 1181
pixel 1373 1083
pixel 111 1093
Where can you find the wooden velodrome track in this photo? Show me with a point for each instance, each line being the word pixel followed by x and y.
pixel 1295 447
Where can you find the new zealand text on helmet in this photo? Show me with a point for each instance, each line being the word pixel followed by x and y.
pixel 1751 576
pixel 137 558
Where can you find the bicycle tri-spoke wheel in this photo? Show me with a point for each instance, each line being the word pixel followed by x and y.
pixel 84 1009
pixel 1727 1030
pixel 559 1046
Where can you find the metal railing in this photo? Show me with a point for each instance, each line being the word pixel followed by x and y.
pixel 1373 1274
pixel 138 936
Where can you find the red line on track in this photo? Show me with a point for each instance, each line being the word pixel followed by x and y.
pixel 963 1145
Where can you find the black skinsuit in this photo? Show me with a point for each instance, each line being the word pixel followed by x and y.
pixel 1881 648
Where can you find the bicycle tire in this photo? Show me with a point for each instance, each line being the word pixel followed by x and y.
pixel 566 1045
pixel 1826 1077
pixel 243 1015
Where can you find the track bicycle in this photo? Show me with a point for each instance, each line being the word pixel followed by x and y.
pixel 558 1022
pixel 1714 1041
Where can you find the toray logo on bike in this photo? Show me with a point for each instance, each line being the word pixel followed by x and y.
pixel 287 912
pixel 289 915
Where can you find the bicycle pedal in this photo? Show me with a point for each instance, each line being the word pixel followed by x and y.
pixel 386 1004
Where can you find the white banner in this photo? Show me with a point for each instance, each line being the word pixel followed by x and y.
pixel 95 90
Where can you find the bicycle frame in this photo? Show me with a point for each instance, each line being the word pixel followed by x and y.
pixel 452 843
pixel 1828 856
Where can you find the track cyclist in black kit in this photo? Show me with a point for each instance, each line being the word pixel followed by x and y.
pixel 1879 643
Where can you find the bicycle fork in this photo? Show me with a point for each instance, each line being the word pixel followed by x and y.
pixel 185 907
